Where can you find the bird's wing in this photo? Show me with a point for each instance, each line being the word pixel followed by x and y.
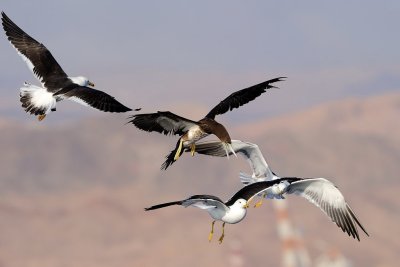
pixel 330 200
pixel 241 97
pixel 204 202
pixel 94 98
pixel 251 190
pixel 163 205
pixel 251 152
pixel 164 122
pixel 38 58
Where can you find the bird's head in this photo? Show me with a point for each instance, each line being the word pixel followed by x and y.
pixel 242 203
pixel 82 81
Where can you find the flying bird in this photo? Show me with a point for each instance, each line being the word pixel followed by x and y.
pixel 232 211
pixel 319 191
pixel 56 84
pixel 190 131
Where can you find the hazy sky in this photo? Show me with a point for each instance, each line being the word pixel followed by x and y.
pixel 163 55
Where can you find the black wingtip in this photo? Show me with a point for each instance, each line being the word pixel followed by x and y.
pixel 137 109
pixel 131 119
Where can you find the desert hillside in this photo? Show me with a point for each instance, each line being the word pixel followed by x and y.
pixel 73 195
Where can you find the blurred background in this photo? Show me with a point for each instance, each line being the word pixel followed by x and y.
pixel 74 186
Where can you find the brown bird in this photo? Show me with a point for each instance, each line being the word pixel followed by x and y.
pixel 190 132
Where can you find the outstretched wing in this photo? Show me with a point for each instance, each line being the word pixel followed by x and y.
pixel 164 122
pixel 38 58
pixel 330 200
pixel 204 202
pixel 256 188
pixel 249 151
pixel 242 97
pixel 95 99
pixel 198 201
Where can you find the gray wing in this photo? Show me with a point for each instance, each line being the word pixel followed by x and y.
pixel 251 152
pixel 204 202
pixel 38 58
pixel 164 122
pixel 330 200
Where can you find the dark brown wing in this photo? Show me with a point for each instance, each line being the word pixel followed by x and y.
pixel 95 98
pixel 242 97
pixel 164 122
pixel 36 55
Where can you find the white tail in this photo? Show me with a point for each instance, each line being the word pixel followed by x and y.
pixel 36 100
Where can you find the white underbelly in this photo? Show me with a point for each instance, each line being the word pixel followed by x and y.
pixel 234 216
pixel 194 135
pixel 231 216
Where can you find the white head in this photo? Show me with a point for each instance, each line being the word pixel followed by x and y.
pixel 82 81
pixel 241 203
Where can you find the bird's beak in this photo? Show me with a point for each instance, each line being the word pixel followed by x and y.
pixel 90 84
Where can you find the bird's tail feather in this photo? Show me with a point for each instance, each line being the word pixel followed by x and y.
pixel 36 100
pixel 163 205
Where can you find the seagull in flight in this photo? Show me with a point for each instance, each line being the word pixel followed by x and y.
pixel 234 210
pixel 190 131
pixel 56 84
pixel 319 191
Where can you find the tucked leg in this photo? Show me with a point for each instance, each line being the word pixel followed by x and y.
pixel 41 117
pixel 259 203
pixel 212 232
pixel 192 149
pixel 178 151
pixel 223 233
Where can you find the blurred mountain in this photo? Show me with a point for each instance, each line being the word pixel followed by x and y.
pixel 73 195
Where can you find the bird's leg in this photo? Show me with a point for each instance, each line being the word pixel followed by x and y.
pixel 192 149
pixel 259 203
pixel 212 232
pixel 41 117
pixel 178 151
pixel 223 233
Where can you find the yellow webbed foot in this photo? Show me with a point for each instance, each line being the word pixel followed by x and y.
pixel 41 117
pixel 259 203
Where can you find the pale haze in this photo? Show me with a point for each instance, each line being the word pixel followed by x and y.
pixel 160 55
pixel 73 187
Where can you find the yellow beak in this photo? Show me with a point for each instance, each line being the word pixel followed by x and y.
pixel 91 84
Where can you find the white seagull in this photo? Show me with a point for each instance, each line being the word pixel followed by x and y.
pixel 235 209
pixel 56 84
pixel 319 191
